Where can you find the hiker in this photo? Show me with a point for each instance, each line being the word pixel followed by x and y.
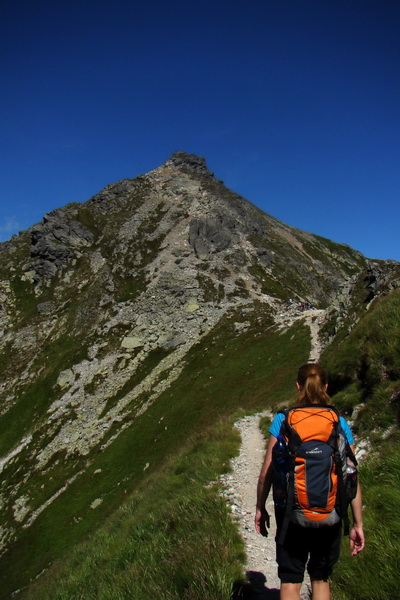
pixel 301 540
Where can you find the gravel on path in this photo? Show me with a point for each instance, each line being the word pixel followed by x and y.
pixel 240 490
pixel 241 485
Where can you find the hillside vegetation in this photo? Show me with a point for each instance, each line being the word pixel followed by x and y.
pixel 173 537
pixel 365 367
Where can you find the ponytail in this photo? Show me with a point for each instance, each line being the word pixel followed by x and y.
pixel 312 381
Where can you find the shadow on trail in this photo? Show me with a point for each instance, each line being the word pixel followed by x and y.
pixel 254 588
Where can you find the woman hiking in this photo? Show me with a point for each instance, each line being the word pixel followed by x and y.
pixel 308 536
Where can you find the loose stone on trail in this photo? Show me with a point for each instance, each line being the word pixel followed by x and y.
pixel 241 484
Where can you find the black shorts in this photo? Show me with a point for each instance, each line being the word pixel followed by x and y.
pixel 318 548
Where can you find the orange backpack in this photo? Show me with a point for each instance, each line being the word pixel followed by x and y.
pixel 317 452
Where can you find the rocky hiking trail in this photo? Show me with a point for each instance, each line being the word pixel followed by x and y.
pixel 241 483
pixel 241 486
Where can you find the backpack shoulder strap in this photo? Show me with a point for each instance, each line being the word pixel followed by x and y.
pixel 334 410
pixel 293 443
pixel 350 454
pixel 293 438
pixel 340 461
pixel 283 412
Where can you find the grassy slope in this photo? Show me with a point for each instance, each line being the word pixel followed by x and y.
pixel 223 373
pixel 373 575
pixel 365 366
pixel 173 539
pixel 365 370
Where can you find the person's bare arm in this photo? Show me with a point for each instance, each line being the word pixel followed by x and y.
pixel 357 538
pixel 263 489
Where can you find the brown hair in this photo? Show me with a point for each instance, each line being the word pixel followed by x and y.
pixel 312 381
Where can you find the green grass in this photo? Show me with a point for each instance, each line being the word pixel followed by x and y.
pixel 173 538
pixel 212 292
pixel 268 284
pixel 33 401
pixel 373 574
pixel 265 424
pixel 371 351
pixel 24 300
pixel 325 250
pixel 364 368
pixel 223 373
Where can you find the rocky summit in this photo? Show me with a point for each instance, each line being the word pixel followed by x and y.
pixel 101 303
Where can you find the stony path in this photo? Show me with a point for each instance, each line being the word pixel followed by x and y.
pixel 241 492
pixel 241 485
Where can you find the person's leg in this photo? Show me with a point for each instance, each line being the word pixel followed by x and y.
pixel 290 591
pixel 324 553
pixel 292 557
pixel 320 589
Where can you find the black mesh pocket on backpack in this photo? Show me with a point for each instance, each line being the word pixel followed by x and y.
pixel 318 467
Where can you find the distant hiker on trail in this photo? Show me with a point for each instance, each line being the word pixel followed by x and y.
pixel 310 464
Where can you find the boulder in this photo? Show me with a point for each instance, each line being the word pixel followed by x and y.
pixel 131 342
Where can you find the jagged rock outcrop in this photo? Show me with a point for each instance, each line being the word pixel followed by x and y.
pixel 381 277
pixel 55 242
pixel 194 163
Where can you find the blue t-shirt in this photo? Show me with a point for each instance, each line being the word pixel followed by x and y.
pixel 277 422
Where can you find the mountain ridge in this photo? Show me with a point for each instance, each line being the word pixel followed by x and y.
pixel 105 303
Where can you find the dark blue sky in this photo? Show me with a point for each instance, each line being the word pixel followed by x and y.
pixel 294 103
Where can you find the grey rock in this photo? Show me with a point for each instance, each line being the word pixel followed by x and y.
pixel 56 241
pixel 212 235
pixel 46 308
pixel 194 163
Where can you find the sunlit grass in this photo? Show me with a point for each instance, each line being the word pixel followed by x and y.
pixel 224 375
pixel 173 539
pixel 373 574
pixel 371 351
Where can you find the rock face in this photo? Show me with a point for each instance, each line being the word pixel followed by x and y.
pixel 196 164
pixel 101 302
pixel 54 242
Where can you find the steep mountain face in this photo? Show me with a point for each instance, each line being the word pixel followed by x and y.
pixel 101 302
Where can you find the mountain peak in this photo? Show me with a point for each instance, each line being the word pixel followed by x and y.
pixel 189 161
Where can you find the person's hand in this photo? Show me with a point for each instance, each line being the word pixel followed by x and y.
pixel 357 540
pixel 261 521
